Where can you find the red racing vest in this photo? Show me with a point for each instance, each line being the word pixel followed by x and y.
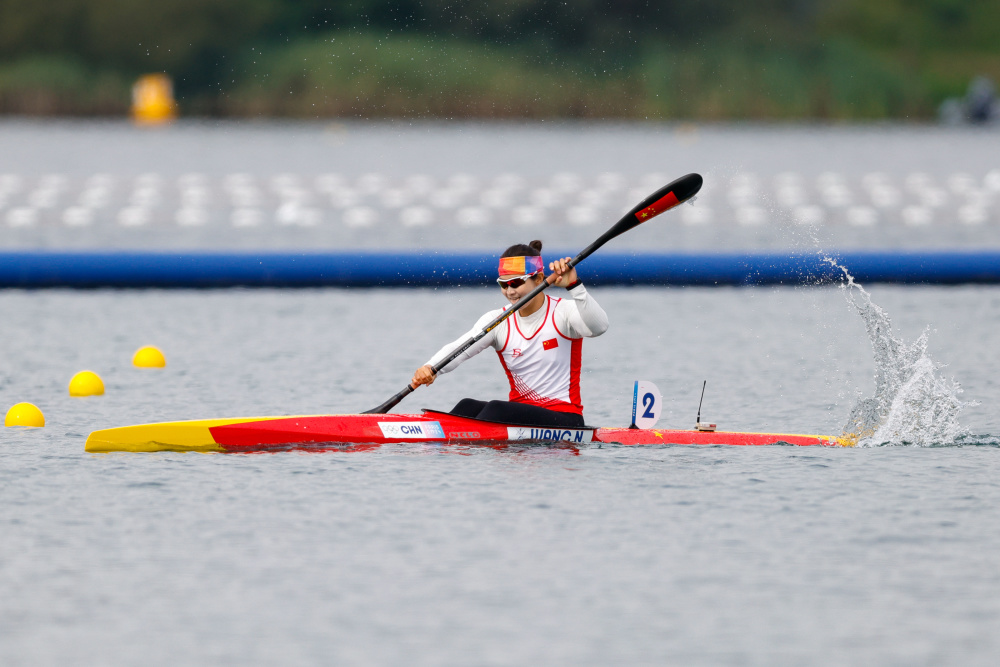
pixel 543 369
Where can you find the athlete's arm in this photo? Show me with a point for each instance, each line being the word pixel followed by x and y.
pixel 581 316
pixel 423 374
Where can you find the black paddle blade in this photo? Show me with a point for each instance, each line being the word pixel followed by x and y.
pixel 664 199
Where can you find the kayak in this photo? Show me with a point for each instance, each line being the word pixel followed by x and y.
pixel 366 431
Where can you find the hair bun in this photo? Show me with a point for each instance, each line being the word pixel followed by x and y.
pixel 533 249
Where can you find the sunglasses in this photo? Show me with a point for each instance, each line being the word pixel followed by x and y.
pixel 513 282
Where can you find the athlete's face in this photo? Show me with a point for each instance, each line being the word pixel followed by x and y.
pixel 515 294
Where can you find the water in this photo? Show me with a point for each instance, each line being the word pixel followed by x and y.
pixel 422 555
pixel 425 555
pixel 913 403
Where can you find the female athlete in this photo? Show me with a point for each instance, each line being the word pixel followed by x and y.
pixel 539 346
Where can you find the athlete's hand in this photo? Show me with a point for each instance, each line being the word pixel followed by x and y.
pixel 562 273
pixel 423 375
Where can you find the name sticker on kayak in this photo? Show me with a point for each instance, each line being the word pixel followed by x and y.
pixel 412 430
pixel 553 434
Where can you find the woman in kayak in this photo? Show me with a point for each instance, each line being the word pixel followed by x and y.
pixel 539 346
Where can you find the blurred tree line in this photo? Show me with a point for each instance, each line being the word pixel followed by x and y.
pixel 658 58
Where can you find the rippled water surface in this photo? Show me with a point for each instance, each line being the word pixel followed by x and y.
pixel 426 555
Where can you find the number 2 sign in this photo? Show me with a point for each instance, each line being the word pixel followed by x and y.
pixel 646 404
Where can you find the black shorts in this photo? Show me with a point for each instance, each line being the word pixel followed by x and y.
pixel 517 414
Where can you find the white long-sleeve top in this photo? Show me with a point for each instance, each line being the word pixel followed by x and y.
pixel 578 317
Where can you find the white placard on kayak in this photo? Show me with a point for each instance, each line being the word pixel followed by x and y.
pixel 646 404
pixel 412 430
pixel 553 434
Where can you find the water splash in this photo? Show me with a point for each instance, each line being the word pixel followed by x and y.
pixel 913 404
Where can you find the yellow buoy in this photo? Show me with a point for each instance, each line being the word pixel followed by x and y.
pixel 86 383
pixel 24 414
pixel 149 357
pixel 153 100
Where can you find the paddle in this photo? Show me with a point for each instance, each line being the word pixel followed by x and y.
pixel 662 200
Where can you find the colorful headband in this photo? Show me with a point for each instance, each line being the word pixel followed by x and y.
pixel 520 266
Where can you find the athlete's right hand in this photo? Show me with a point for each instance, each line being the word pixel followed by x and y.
pixel 423 375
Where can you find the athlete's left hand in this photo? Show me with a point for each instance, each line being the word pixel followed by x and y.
pixel 562 273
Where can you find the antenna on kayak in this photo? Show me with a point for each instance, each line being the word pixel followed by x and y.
pixel 698 426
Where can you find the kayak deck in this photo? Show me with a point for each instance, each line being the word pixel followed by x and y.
pixel 363 431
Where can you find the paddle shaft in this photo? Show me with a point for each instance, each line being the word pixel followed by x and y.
pixel 662 200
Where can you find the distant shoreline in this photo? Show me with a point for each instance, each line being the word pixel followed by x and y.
pixel 365 76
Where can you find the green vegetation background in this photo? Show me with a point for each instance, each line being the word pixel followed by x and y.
pixel 667 59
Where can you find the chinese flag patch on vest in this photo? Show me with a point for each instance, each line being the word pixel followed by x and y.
pixel 550 344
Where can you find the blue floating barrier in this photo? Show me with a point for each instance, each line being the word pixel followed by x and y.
pixel 136 269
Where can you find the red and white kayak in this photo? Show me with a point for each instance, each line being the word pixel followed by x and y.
pixel 365 431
